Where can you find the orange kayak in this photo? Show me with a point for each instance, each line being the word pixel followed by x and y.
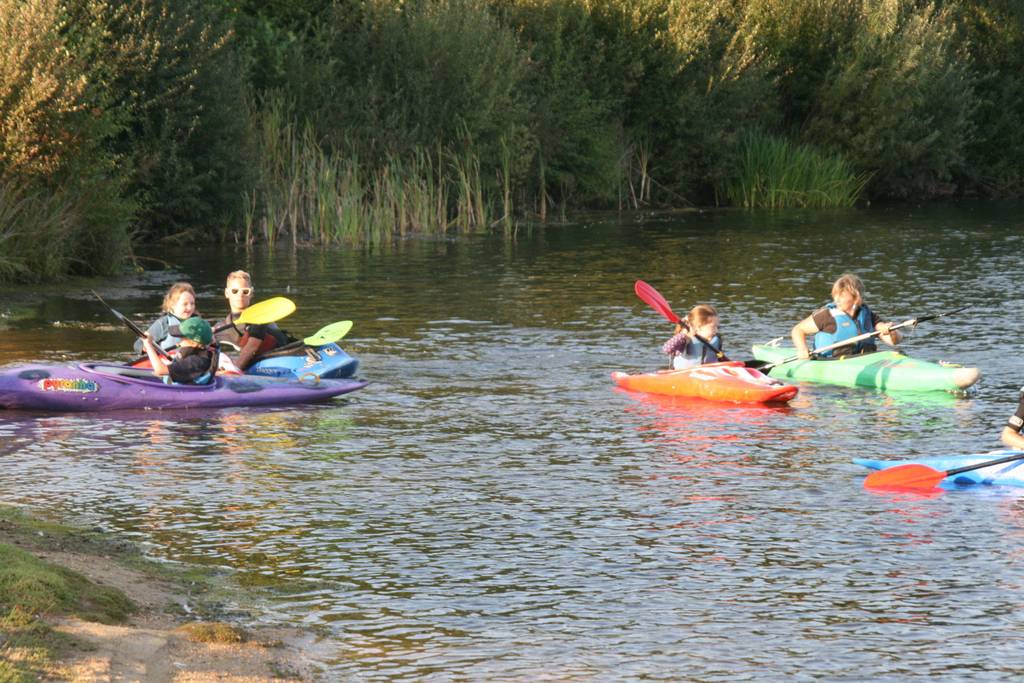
pixel 729 381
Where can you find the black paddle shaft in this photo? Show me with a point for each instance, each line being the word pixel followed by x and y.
pixel 925 318
pixel 128 323
pixel 124 319
pixel 989 463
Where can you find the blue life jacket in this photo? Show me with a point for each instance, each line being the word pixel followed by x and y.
pixel 846 328
pixel 696 353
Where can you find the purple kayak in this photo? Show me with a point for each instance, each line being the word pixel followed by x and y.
pixel 101 387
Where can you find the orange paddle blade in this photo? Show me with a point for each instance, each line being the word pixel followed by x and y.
pixel 905 477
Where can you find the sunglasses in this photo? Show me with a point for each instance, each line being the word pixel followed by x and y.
pixel 244 291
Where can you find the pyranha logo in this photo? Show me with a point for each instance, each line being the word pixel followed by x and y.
pixel 81 386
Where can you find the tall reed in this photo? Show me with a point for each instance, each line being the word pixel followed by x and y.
pixel 37 233
pixel 775 173
pixel 307 193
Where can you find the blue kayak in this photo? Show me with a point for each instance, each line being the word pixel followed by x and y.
pixel 1005 474
pixel 328 361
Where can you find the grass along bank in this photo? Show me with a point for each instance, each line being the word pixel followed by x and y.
pixel 775 173
pixel 76 605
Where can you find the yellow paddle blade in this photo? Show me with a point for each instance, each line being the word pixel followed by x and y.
pixel 328 333
pixel 267 311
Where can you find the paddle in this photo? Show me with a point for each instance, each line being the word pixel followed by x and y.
pixel 325 335
pixel 915 476
pixel 263 313
pixel 329 333
pixel 132 326
pixel 655 300
pixel 861 337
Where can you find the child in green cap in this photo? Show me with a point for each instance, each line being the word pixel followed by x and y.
pixel 196 363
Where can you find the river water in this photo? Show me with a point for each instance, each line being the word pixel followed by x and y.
pixel 491 508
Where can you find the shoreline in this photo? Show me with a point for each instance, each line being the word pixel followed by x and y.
pixel 77 605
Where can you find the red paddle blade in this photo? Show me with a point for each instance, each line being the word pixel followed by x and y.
pixel 655 300
pixel 905 477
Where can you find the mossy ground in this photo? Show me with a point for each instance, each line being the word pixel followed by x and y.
pixel 36 592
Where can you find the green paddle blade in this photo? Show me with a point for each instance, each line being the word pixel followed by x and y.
pixel 266 312
pixel 329 333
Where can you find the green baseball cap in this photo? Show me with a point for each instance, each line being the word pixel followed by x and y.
pixel 197 329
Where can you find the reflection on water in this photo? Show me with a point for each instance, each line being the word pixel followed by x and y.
pixel 491 508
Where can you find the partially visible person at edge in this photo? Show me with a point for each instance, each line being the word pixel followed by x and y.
pixel 685 349
pixel 1011 435
pixel 196 361
pixel 179 305
pixel 251 340
pixel 845 318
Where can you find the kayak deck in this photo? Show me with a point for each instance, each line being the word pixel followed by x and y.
pixel 1005 474
pixel 729 381
pixel 887 370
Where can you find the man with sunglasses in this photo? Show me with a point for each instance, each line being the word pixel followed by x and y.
pixel 252 340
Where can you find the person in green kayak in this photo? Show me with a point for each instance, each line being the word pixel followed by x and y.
pixel 251 340
pixel 846 317
pixel 179 305
pixel 696 341
pixel 196 361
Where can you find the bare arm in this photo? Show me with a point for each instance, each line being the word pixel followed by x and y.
pixel 247 353
pixel 159 366
pixel 891 338
pixel 1012 438
pixel 799 334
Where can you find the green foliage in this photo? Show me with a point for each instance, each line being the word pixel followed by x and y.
pixel 166 120
pixel 899 102
pixel 173 67
pixel 63 208
pixel 306 194
pixel 798 42
pixel 776 174
pixel 29 586
pixel 993 33
pixel 576 87
pixel 417 74
pixel 214 632
pixel 720 87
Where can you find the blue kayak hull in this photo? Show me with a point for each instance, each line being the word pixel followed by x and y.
pixel 328 361
pixel 1006 474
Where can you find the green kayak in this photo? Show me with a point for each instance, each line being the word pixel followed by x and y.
pixel 888 370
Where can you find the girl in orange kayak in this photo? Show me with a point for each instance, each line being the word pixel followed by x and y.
pixel 696 341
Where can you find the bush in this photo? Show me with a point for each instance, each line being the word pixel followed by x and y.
pixel 993 33
pixel 414 75
pixel 720 88
pixel 61 186
pixel 174 68
pixel 900 101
